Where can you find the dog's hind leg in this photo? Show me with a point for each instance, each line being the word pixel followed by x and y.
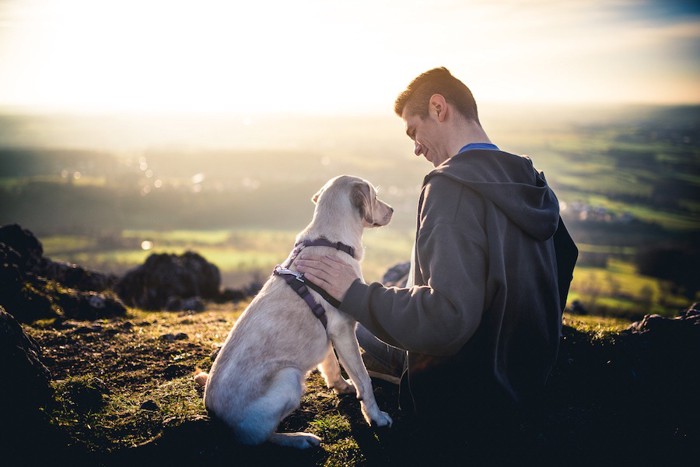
pixel 345 343
pixel 330 370
pixel 264 415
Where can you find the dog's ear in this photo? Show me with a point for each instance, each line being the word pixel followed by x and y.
pixel 314 198
pixel 360 197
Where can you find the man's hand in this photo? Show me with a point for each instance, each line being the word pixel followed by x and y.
pixel 329 273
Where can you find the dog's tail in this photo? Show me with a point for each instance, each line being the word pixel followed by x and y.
pixel 201 379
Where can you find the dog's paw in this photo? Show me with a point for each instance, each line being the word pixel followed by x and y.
pixel 299 440
pixel 343 386
pixel 383 419
pixel 376 417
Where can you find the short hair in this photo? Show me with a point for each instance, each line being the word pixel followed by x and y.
pixel 417 95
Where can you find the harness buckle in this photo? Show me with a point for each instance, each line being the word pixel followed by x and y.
pixel 288 272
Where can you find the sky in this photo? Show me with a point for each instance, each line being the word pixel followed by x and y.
pixel 340 57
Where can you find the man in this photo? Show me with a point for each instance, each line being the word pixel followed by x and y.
pixel 480 318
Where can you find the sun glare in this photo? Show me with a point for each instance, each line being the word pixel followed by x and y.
pixel 312 56
pixel 192 55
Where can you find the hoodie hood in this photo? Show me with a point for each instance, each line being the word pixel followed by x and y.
pixel 511 183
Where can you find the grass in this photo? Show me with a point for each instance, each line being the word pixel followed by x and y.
pixel 597 325
pixel 124 386
pixel 619 288
pixel 125 363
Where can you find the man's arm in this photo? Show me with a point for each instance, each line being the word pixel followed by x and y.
pixel 437 318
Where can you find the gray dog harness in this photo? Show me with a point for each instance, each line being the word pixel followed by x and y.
pixel 301 286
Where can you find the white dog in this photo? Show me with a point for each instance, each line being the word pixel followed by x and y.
pixel 257 379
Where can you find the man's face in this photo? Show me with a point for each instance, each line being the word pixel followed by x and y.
pixel 426 136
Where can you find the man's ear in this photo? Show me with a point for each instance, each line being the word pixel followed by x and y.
pixel 437 107
pixel 360 197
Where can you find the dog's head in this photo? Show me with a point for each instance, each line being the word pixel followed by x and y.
pixel 359 195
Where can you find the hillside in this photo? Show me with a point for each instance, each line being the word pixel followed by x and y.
pixel 96 384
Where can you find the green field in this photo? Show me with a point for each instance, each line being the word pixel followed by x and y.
pixel 247 255
pixel 241 255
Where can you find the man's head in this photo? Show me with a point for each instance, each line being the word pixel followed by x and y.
pixel 415 99
pixel 440 115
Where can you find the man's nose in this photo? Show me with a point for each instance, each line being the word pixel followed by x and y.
pixel 418 149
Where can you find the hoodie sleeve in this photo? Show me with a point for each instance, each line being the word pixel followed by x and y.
pixel 439 316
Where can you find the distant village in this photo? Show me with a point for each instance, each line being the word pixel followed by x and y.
pixel 583 212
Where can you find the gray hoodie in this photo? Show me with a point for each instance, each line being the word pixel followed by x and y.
pixel 482 318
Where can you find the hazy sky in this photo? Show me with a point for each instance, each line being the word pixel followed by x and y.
pixel 341 56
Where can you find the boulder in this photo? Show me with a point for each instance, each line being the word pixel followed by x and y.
pixel 620 389
pixel 165 278
pixel 34 287
pixel 90 305
pixel 22 293
pixel 25 388
pixel 397 275
pixel 75 277
pixel 22 241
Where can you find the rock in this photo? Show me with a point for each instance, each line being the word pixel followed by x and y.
pixel 75 277
pixel 21 292
pixel 33 287
pixel 24 243
pixel 90 306
pixel 31 259
pixel 176 370
pixel 25 387
pixel 624 386
pixel 26 379
pixel 397 275
pixel 233 295
pixel 164 276
pixel 11 273
pixel 27 436
pixel 170 337
pixel 85 394
pixel 188 304
pixel 150 405
pixel 32 302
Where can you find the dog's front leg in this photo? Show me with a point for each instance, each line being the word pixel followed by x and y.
pixel 330 370
pixel 345 343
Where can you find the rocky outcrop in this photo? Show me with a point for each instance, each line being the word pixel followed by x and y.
pixel 25 388
pixel 633 388
pixel 34 287
pixel 26 378
pixel 167 281
pixel 27 437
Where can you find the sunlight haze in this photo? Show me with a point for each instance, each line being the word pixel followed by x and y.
pixel 315 56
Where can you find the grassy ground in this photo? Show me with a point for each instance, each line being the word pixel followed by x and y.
pixel 125 395
pixel 124 388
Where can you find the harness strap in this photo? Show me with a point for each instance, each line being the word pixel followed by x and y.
pixel 324 242
pixel 296 282
pixel 319 242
